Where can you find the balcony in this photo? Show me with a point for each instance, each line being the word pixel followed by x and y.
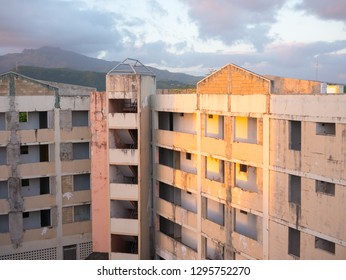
pixel 39 234
pixel 180 179
pixel 4 206
pixel 123 256
pixel 124 192
pixel 178 140
pixel 247 245
pixel 75 166
pixel 36 136
pixel 4 137
pixel 214 188
pixel 214 230
pixel 76 228
pixel 215 146
pixel 123 156
pixel 75 134
pixel 246 199
pixel 247 152
pixel 176 214
pixel 78 197
pixel 124 226
pixel 4 172
pixel 174 247
pixel 39 202
pixel 38 169
pixel 122 121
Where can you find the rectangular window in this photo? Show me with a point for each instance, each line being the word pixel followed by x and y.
pixel 25 215
pixel 82 213
pixel 25 182
pixel 45 218
pixel 23 117
pixel 24 150
pixel 325 129
pixel 295 134
pixel 294 192
pixel 210 116
pixel 188 156
pixel 325 245
pixel 243 168
pixel 325 188
pixel 294 242
pixel 182 114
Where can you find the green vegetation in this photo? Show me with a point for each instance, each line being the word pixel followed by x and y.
pixel 83 78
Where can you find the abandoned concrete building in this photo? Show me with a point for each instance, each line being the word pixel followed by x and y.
pixel 45 199
pixel 244 167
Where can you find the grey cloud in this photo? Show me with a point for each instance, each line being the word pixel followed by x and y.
pixel 156 8
pixel 332 9
pixel 232 21
pixel 57 23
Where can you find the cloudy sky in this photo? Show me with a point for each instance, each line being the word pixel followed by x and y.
pixel 295 38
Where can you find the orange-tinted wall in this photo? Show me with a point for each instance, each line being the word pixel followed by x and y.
pixel 99 174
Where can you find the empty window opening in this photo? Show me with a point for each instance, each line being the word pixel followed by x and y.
pixel 3 189
pixel 4 225
pixel 214 211
pixel 294 242
pixel 245 223
pixel 246 177
pixel 3 155
pixel 169 228
pixel 165 121
pixel 43 120
pixel 80 150
pixel 188 156
pixel 245 130
pixel 36 219
pixel 25 182
pixel 121 209
pixel 214 126
pixel 81 182
pixel 24 150
pixel 170 193
pixel 80 118
pixel 2 121
pixel 44 185
pixel 325 245
pixel 169 158
pixel 325 188
pixel 325 129
pixel 214 169
pixel 123 105
pixel 295 135
pixel 44 153
pixel 70 252
pixel 125 244
pixel 81 213
pixel 182 114
pixel 214 250
pixel 23 117
pixel 294 192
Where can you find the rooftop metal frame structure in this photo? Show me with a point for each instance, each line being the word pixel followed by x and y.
pixel 131 66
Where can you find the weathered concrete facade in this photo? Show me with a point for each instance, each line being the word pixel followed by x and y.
pixel 250 167
pixel 45 169
pixel 121 170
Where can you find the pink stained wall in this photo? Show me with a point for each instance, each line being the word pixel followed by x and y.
pixel 99 174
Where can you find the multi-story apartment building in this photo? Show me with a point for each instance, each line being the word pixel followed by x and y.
pixel 45 197
pixel 245 167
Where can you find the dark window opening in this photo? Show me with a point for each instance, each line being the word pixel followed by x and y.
pixel 243 168
pixel 45 218
pixel 44 153
pixel 43 120
pixel 295 133
pixel 294 189
pixel 325 129
pixel 70 252
pixel 294 242
pixel 188 156
pixel 44 185
pixel 210 116
pixel 325 245
pixel 24 150
pixel 25 182
pixel 325 188
pixel 26 215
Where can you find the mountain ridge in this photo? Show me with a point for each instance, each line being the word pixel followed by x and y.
pixel 53 57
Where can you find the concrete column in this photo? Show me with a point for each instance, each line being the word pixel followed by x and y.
pixel 200 241
pixel 58 195
pixel 266 190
